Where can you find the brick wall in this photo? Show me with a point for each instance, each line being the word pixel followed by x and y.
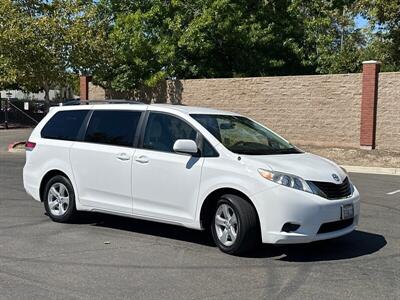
pixel 84 82
pixel 96 92
pixel 388 114
pixel 315 110
pixel 342 110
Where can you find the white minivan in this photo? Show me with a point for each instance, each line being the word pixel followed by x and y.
pixel 195 167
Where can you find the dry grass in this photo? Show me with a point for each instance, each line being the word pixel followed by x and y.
pixel 358 157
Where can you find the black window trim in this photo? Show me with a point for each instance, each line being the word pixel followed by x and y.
pixel 86 122
pixel 84 127
pixel 199 137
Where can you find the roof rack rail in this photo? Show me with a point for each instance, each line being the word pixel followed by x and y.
pixel 107 101
pixel 112 101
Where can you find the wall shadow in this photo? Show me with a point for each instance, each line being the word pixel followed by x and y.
pixel 166 91
pixel 174 91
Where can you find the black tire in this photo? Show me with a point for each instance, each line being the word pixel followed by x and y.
pixel 247 229
pixel 69 211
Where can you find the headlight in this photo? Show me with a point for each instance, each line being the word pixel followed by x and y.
pixel 288 180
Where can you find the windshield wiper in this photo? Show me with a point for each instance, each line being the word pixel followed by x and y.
pixel 267 151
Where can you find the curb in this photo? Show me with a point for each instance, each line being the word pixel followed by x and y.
pixel 11 147
pixel 373 170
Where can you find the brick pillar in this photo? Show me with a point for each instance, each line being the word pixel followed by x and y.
pixel 84 87
pixel 369 101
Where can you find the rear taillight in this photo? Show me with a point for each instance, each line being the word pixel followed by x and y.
pixel 29 146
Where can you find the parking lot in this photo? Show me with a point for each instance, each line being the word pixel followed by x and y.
pixel 109 257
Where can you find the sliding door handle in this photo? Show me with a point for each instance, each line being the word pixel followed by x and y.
pixel 123 156
pixel 142 159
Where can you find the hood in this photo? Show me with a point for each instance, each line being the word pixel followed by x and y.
pixel 306 165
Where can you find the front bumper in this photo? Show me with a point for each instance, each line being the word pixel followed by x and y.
pixel 280 205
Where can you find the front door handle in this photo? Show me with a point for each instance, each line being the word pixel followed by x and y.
pixel 142 159
pixel 123 156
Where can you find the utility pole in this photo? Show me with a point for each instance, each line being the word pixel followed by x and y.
pixel 6 106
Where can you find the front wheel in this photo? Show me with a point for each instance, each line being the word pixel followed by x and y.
pixel 59 199
pixel 234 226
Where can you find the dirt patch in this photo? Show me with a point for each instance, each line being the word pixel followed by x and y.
pixel 358 157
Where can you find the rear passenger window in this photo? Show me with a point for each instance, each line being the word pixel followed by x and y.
pixel 113 127
pixel 64 125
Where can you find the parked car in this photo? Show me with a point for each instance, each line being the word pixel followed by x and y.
pixel 195 167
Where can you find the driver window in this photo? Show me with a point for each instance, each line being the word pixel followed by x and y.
pixel 163 130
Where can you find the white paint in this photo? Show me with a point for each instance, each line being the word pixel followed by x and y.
pixel 171 187
pixel 394 192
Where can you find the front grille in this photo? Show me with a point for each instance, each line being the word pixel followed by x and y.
pixel 333 190
pixel 334 226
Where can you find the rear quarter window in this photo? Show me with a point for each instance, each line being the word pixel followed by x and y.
pixel 64 125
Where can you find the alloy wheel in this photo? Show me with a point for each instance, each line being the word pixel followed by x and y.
pixel 58 199
pixel 226 225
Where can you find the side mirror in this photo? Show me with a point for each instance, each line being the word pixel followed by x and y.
pixel 185 146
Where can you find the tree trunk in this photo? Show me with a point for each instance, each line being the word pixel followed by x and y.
pixel 47 96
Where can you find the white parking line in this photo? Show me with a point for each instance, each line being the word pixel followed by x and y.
pixel 394 192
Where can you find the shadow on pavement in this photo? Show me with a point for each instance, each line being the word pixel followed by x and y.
pixel 147 228
pixel 355 244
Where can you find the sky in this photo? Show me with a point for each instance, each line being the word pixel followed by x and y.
pixel 361 22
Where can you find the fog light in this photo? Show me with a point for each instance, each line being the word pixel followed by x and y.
pixel 290 227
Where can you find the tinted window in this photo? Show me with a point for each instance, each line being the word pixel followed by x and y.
pixel 113 127
pixel 163 130
pixel 64 125
pixel 208 150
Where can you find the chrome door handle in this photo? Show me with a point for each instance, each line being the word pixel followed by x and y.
pixel 142 159
pixel 123 156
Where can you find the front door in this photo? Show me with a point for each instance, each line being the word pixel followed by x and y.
pixel 166 184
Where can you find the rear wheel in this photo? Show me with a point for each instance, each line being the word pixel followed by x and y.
pixel 59 199
pixel 234 225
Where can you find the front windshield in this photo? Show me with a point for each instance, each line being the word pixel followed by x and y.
pixel 243 136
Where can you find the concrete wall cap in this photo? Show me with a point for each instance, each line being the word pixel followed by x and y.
pixel 376 62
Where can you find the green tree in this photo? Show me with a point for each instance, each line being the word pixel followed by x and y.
pixel 32 44
pixel 155 39
pixel 43 42
pixel 384 17
pixel 202 38
pixel 332 41
pixel 127 44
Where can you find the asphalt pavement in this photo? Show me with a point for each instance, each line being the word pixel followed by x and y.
pixel 109 257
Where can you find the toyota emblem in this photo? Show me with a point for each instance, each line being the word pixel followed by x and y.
pixel 335 177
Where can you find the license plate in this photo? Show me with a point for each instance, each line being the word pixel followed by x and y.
pixel 347 211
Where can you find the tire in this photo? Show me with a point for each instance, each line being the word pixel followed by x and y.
pixel 59 199
pixel 246 227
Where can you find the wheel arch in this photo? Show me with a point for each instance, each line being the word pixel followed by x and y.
pixel 50 174
pixel 210 202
